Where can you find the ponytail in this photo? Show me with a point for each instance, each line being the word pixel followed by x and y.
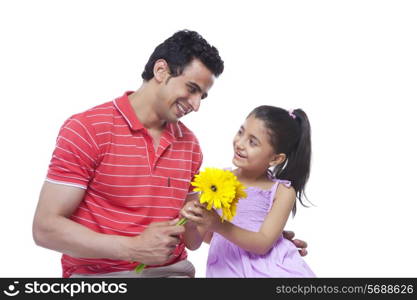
pixel 296 168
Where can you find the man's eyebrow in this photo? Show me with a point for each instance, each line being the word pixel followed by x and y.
pixel 198 88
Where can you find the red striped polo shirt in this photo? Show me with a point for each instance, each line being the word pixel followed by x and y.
pixel 108 152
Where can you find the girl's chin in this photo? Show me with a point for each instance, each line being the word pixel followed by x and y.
pixel 237 162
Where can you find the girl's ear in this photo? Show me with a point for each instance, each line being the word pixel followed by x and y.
pixel 277 159
pixel 160 70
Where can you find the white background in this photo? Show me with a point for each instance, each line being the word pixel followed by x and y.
pixel 351 65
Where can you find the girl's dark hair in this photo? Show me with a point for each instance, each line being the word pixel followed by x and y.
pixel 180 49
pixel 289 134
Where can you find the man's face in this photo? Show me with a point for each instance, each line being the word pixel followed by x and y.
pixel 181 95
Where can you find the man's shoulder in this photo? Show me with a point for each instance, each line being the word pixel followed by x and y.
pixel 105 107
pixel 97 116
pixel 105 110
pixel 93 123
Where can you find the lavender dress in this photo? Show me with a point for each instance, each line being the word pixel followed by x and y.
pixel 225 259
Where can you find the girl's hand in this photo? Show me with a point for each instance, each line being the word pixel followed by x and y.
pixel 198 215
pixel 192 212
pixel 211 220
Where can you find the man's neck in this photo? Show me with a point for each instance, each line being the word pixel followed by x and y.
pixel 142 102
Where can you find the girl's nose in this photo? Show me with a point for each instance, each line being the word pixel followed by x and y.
pixel 239 144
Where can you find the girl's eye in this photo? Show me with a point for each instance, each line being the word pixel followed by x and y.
pixel 252 143
pixel 192 90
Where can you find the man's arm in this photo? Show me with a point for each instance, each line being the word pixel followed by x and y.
pixel 53 229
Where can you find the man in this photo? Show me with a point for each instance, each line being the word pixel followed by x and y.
pixel 121 171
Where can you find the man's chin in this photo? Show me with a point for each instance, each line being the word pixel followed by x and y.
pixel 172 119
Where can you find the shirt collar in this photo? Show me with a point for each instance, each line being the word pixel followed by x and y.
pixel 123 105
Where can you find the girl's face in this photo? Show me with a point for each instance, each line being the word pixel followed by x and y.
pixel 252 149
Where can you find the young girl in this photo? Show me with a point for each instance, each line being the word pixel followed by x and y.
pixel 272 151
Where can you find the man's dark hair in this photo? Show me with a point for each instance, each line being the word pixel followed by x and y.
pixel 180 49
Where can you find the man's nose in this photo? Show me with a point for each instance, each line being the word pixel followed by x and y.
pixel 195 101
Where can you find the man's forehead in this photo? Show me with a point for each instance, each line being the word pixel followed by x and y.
pixel 203 80
pixel 197 67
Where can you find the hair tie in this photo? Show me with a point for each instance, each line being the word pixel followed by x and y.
pixel 291 113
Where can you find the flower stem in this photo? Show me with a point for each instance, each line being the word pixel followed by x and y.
pixel 182 221
pixel 140 267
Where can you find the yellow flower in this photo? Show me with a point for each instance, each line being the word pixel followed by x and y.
pixel 219 189
pixel 240 190
pixel 229 213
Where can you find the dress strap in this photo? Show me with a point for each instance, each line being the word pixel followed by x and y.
pixel 274 188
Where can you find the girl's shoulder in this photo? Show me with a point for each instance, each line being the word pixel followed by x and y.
pixel 284 188
pixel 284 191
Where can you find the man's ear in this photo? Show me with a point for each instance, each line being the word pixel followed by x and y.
pixel 160 70
pixel 277 159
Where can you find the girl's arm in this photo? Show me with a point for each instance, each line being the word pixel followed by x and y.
pixel 208 236
pixel 271 229
pixel 194 233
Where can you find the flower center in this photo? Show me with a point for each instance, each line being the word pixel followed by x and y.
pixel 213 188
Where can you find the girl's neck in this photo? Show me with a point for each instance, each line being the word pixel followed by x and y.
pixel 251 177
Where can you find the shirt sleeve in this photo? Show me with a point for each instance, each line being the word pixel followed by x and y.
pixel 75 155
pixel 196 165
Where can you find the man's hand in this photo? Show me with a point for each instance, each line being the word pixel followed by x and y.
pixel 156 244
pixel 301 245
